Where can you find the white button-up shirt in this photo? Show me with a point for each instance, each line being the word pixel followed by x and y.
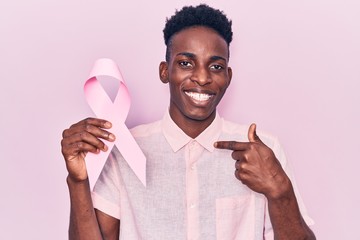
pixel 191 190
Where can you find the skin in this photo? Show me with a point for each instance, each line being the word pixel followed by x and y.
pixel 86 222
pixel 198 64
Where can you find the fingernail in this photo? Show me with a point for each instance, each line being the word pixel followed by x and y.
pixel 111 136
pixel 107 125
pixel 105 148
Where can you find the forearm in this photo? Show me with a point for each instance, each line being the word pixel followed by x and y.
pixel 286 218
pixel 83 222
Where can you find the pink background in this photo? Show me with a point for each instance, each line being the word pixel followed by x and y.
pixel 296 74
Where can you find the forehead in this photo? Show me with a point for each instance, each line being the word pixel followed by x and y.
pixel 199 40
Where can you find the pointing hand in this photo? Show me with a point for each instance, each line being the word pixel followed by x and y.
pixel 256 165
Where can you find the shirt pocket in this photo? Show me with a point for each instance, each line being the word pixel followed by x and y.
pixel 235 218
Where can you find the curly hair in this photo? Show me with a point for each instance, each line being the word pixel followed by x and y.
pixel 201 15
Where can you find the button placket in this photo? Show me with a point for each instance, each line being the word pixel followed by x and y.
pixel 192 191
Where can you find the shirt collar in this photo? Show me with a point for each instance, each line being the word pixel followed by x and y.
pixel 178 139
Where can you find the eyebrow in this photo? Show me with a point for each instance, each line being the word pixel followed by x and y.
pixel 191 55
pixel 186 54
pixel 214 58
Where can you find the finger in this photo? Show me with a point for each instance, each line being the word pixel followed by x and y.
pixel 102 123
pixel 241 175
pixel 85 137
pixel 75 149
pixel 239 156
pixel 242 166
pixel 252 136
pixel 98 132
pixel 232 145
pixel 89 128
pixel 239 165
pixel 83 124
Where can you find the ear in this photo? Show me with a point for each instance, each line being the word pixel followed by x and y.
pixel 229 74
pixel 164 72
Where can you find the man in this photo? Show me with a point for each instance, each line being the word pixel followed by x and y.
pixel 191 190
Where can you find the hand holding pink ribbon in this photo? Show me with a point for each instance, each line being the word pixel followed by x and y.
pixel 115 112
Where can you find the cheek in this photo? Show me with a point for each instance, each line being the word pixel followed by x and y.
pixel 222 85
pixel 175 90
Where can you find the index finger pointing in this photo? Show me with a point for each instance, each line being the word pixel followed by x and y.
pixel 232 145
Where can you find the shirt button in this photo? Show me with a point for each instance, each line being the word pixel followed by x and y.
pixel 192 205
pixel 192 167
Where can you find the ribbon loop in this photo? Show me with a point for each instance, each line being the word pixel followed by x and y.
pixel 116 112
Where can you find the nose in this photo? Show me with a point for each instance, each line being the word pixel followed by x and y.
pixel 201 76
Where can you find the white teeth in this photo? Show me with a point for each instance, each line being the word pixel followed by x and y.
pixel 199 96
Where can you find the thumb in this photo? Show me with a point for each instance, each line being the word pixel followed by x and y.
pixel 252 136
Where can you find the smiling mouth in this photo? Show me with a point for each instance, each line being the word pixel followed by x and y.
pixel 201 97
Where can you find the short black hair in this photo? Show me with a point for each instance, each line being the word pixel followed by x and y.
pixel 201 15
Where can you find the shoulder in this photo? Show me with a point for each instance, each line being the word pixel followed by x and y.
pixel 229 127
pixel 145 130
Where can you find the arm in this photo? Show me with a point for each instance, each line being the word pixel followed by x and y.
pixel 257 167
pixel 85 222
pixel 285 216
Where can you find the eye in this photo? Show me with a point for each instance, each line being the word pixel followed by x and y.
pixel 216 67
pixel 185 64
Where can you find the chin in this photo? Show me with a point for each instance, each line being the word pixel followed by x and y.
pixel 200 115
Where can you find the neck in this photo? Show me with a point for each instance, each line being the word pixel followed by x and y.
pixel 192 127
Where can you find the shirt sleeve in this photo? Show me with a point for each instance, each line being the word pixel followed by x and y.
pixel 279 153
pixel 106 192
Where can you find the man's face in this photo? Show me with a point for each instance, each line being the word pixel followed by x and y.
pixel 197 73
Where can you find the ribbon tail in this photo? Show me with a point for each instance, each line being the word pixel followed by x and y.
pixel 95 164
pixel 132 153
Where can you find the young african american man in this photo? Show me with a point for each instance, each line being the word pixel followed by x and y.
pixel 191 190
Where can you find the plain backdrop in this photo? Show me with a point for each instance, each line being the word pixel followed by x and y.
pixel 296 71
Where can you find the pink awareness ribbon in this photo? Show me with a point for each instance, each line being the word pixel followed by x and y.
pixel 116 112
